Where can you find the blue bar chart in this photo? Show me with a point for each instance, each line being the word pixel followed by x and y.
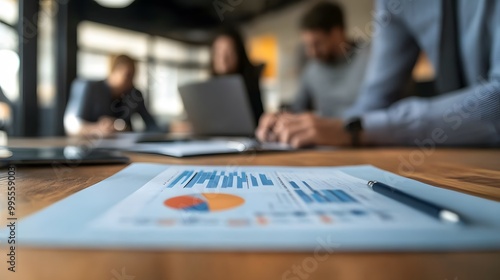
pixel 235 197
pixel 215 179
pixel 184 176
pixel 320 196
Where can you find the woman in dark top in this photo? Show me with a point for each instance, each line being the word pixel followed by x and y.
pixel 229 57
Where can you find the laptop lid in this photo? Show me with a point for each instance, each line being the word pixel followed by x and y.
pixel 219 107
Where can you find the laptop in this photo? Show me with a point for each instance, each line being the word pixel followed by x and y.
pixel 219 107
pixel 222 120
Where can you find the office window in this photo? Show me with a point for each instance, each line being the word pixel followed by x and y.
pixel 164 88
pixel 46 90
pixel 8 36
pixel 108 39
pixel 9 58
pixel 92 66
pixel 9 11
pixel 98 43
pixel 172 51
pixel 169 50
pixel 9 67
pixel 164 91
pixel 176 64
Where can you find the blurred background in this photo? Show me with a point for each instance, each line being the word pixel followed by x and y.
pixel 46 44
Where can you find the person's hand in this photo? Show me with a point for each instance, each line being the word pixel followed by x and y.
pixel 105 126
pixel 304 130
pixel 264 131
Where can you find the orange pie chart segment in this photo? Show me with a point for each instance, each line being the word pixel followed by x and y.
pixel 205 202
pixel 185 201
pixel 220 201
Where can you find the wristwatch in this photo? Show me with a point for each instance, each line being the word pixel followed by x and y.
pixel 354 126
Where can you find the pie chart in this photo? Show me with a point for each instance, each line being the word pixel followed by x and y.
pixel 204 202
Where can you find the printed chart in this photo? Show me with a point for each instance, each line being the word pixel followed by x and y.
pixel 204 202
pixel 224 197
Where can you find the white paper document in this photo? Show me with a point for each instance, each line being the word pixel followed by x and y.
pixel 207 147
pixel 226 198
pixel 192 148
pixel 258 208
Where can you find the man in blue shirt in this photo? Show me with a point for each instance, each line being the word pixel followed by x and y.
pixel 461 39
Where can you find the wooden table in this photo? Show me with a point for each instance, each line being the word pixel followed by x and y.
pixel 474 171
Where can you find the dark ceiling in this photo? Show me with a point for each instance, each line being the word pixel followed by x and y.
pixel 185 20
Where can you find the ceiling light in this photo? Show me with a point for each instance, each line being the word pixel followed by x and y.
pixel 114 3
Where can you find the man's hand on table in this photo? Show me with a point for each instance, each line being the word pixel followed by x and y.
pixel 302 130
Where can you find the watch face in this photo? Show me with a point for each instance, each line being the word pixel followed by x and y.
pixel 354 125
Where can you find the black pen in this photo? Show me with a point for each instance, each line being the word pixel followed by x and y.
pixel 428 208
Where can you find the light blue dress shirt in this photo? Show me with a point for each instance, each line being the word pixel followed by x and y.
pixel 469 116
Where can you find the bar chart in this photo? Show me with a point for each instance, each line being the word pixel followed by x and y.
pixel 311 195
pixel 234 197
pixel 220 179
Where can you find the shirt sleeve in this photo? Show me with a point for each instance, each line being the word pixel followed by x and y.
pixel 79 107
pixel 386 76
pixel 469 116
pixel 81 101
pixel 303 98
pixel 149 121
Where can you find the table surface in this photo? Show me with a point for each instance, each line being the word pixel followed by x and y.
pixel 473 171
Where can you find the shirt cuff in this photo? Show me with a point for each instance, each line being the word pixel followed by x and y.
pixel 377 128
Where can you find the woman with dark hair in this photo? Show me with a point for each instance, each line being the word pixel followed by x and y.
pixel 229 57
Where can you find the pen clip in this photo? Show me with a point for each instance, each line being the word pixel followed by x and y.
pixel 371 183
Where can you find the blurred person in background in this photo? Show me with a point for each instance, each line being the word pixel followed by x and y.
pixel 229 57
pixel 105 107
pixel 330 82
pixel 5 112
pixel 461 39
